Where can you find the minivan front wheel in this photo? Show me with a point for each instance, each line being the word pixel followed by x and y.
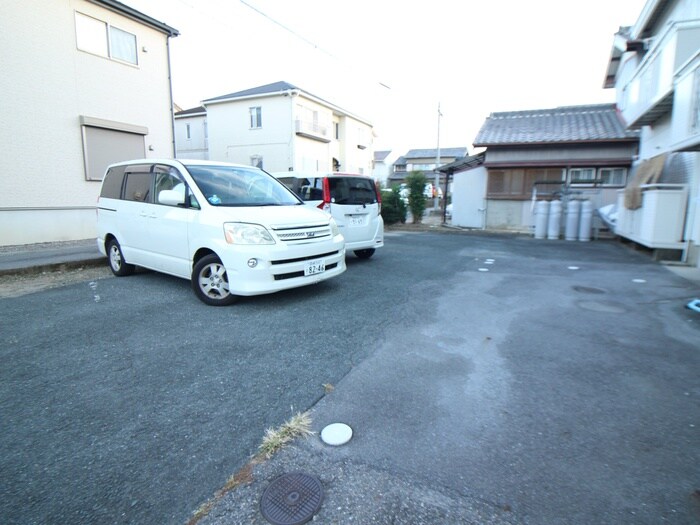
pixel 365 254
pixel 115 257
pixel 210 282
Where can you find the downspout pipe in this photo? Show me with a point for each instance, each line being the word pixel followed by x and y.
pixel 170 90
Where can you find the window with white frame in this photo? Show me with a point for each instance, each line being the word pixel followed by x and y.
pixel 601 176
pixel 99 38
pixel 613 176
pixel 582 175
pixel 255 117
pixel 257 161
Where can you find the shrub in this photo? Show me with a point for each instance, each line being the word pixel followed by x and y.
pixel 393 206
pixel 416 200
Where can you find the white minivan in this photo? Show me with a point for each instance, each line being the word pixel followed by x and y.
pixel 353 200
pixel 232 230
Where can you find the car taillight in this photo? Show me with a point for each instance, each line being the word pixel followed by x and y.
pixel 378 191
pixel 326 204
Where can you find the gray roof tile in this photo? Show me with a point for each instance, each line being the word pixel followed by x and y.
pixel 432 153
pixel 590 123
pixel 275 87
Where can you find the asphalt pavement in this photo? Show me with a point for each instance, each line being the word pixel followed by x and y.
pixel 548 382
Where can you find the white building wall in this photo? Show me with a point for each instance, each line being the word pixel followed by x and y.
pixel 231 138
pixel 47 85
pixel 194 147
pixel 357 149
pixel 675 46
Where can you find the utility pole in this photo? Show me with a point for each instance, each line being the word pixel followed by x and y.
pixel 436 204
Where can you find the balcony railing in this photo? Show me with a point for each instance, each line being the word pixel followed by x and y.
pixel 649 94
pixel 313 130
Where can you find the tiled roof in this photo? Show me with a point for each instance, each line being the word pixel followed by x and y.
pixel 432 153
pixel 193 111
pixel 275 87
pixel 590 123
pixel 381 155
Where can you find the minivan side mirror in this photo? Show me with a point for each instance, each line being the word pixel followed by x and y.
pixel 171 198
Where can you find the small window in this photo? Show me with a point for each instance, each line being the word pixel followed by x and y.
pixel 122 46
pixel 188 131
pixel 138 186
pixel 613 176
pixel 582 176
pixel 91 35
pixel 255 117
pixel 99 38
pixel 257 161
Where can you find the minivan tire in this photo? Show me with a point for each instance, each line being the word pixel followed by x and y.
pixel 115 257
pixel 365 254
pixel 210 282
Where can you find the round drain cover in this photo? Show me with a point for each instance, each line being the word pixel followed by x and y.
pixel 336 434
pixel 291 499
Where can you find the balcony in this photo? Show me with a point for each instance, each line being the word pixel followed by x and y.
pixel 312 130
pixel 649 95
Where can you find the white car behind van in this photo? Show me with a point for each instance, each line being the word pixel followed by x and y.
pixel 353 200
pixel 232 230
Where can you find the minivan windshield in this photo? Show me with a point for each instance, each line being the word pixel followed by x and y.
pixel 240 186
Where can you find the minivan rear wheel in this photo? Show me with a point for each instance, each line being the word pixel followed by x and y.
pixel 365 254
pixel 210 282
pixel 115 257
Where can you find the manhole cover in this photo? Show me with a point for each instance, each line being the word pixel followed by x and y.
pixel 291 499
pixel 588 289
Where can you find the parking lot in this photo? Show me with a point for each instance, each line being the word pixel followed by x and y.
pixel 543 381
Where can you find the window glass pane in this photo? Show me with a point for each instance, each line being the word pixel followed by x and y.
pixel 256 117
pixel 138 187
pixel 112 187
pixel 91 35
pixel 496 182
pixel 122 45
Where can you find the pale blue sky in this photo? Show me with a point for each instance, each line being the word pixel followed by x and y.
pixel 473 57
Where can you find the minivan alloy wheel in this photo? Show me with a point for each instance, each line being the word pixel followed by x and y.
pixel 115 257
pixel 210 282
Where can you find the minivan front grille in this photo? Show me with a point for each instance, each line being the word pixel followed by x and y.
pixel 307 258
pixel 303 234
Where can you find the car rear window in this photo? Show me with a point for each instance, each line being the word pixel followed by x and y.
pixel 352 190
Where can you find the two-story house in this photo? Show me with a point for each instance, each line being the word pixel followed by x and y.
pixel 84 83
pixel 572 152
pixel 191 134
pixel 655 70
pixel 280 127
pixel 425 161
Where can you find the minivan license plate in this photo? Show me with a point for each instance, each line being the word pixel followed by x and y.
pixel 357 221
pixel 314 267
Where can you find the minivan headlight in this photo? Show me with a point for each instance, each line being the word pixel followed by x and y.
pixel 243 233
pixel 334 227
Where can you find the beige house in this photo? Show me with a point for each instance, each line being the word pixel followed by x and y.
pixel 83 84
pixel 281 127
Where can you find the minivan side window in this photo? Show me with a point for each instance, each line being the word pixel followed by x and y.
pixel 112 185
pixel 169 178
pixel 138 186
